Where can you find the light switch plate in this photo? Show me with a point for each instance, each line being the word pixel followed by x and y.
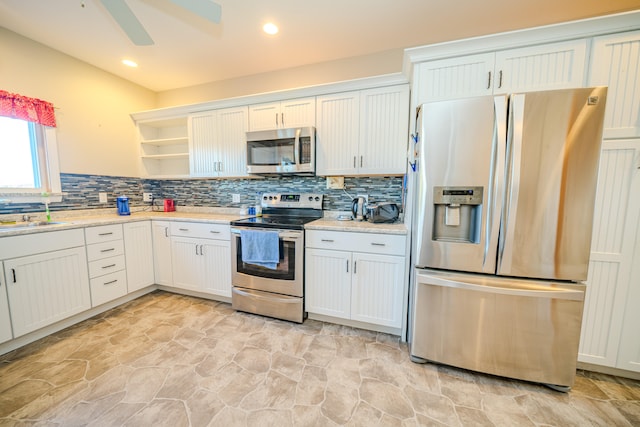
pixel 235 198
pixel 102 197
pixel 147 197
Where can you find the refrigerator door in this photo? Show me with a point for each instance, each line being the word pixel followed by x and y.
pixel 461 168
pixel 553 150
pixel 514 328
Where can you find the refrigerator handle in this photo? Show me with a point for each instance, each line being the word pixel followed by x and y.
pixel 496 174
pixel 530 292
pixel 512 192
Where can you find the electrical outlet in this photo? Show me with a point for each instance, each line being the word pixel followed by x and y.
pixel 102 197
pixel 147 197
pixel 366 197
pixel 335 182
pixel 235 198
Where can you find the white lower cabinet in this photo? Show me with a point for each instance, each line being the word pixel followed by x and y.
pixel 355 276
pixel 5 320
pixel 138 248
pixel 201 257
pixel 46 287
pixel 107 265
pixel 163 270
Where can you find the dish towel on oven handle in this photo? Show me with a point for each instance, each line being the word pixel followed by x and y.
pixel 260 248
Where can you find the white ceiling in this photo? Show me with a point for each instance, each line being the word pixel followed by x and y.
pixel 189 50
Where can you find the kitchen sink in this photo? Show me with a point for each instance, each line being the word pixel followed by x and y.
pixel 27 224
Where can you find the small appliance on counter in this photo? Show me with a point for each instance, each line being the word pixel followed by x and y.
pixel 383 212
pixel 359 208
pixel 169 205
pixel 122 203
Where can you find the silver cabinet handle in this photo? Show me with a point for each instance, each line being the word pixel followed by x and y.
pixel 214 232
pixel 108 266
pixel 378 244
pixel 489 81
pixel 276 119
pixel 110 283
pixel 500 79
pixel 183 229
pixel 347 266
pixel 354 267
pixel 354 161
pixel 327 240
pixel 282 118
pixel 13 271
pixel 108 250
pixel 166 232
pixel 106 234
pixel 361 160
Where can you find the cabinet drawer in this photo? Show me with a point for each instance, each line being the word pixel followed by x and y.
pixel 105 266
pixel 201 230
pixel 107 288
pixel 105 250
pixel 387 244
pixel 103 233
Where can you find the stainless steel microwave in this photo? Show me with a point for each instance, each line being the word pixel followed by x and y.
pixel 282 151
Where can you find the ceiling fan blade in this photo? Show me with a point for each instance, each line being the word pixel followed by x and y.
pixel 207 9
pixel 128 22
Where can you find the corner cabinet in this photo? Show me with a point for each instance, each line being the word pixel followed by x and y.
pixel 363 132
pixel 283 114
pixel 356 276
pixel 218 143
pixel 201 257
pixel 164 148
pixel 542 67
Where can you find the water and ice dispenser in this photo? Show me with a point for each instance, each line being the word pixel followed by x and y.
pixel 457 214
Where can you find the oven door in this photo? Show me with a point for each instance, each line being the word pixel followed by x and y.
pixel 286 279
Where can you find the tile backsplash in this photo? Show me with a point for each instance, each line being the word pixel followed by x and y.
pixel 81 191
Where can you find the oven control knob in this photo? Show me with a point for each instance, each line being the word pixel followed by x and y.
pixel 317 199
pixel 310 198
pixel 264 197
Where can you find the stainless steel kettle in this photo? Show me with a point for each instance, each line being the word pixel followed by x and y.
pixel 359 208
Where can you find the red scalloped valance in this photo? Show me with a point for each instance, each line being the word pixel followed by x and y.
pixel 24 108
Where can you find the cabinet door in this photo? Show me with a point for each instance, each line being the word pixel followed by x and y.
pixel 264 116
pixel 384 124
pixel 46 288
pixel 545 67
pixel 163 271
pixel 452 78
pixel 5 320
pixel 298 112
pixel 615 62
pixel 231 141
pixel 337 133
pixel 377 289
pixel 204 157
pixel 616 214
pixel 189 266
pixel 328 282
pixel 217 255
pixel 138 248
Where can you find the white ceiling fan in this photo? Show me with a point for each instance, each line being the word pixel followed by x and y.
pixel 124 17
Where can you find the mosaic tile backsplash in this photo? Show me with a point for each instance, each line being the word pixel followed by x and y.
pixel 81 191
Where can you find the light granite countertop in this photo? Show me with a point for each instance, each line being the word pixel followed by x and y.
pixel 66 220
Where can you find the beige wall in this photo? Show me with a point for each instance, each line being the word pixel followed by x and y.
pixel 95 133
pixel 309 75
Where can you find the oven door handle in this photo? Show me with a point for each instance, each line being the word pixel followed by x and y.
pixel 270 298
pixel 287 235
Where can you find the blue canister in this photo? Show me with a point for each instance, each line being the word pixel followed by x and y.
pixel 123 205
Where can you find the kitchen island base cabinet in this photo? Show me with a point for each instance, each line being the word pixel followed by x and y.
pixel 365 286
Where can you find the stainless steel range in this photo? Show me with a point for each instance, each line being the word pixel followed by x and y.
pixel 273 289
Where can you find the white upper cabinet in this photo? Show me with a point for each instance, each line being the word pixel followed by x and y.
pixel 543 67
pixel 218 143
pixel 363 132
pixel 283 114
pixel 615 62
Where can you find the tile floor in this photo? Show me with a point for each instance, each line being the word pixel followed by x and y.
pixel 172 360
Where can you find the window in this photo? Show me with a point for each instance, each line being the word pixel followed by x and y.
pixel 28 153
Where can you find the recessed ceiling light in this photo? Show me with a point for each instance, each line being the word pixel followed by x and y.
pixel 270 28
pixel 129 63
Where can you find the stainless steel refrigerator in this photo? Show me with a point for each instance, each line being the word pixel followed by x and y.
pixel 502 230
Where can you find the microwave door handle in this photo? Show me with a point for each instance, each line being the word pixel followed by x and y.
pixel 296 148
